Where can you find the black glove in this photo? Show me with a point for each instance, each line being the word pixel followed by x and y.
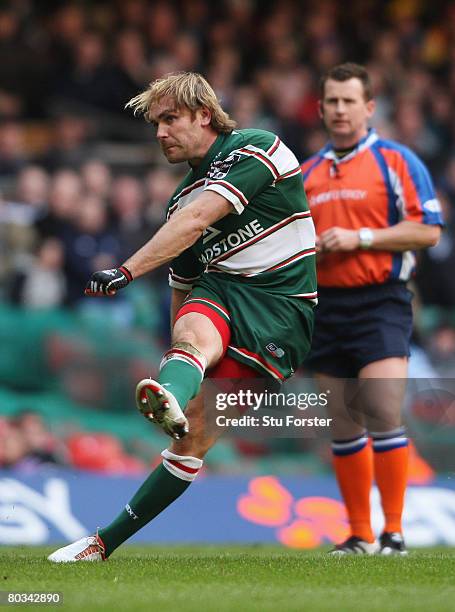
pixel 108 282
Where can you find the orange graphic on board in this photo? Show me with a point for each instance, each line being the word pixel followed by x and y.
pixel 303 523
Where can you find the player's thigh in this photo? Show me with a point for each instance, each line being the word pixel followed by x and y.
pixel 342 407
pixel 383 387
pixel 200 437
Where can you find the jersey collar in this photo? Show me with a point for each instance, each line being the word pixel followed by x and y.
pixel 328 152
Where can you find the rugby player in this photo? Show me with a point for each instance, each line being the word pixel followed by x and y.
pixel 373 204
pixel 241 241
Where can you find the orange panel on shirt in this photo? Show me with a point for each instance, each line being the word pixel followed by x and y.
pixel 353 196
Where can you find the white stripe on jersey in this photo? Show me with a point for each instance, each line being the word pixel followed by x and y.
pixel 230 193
pixel 281 161
pixel 261 156
pixel 176 285
pixel 271 250
pixel 284 159
pixel 187 197
pixel 312 297
pixel 180 282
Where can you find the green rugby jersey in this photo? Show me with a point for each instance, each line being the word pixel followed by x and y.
pixel 269 239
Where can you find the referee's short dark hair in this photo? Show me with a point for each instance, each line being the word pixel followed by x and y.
pixel 344 72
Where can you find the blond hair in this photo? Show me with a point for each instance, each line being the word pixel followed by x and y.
pixel 187 89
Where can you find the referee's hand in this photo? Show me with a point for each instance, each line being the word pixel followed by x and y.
pixel 108 282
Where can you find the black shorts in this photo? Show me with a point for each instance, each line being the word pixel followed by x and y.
pixel 355 327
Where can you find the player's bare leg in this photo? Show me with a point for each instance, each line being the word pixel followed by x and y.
pixel 384 387
pixel 196 345
pixel 181 463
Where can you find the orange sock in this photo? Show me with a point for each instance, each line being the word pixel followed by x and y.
pixel 391 472
pixel 353 463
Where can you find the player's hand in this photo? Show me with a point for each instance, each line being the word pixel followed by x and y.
pixel 108 282
pixel 339 239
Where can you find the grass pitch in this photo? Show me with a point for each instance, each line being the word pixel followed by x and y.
pixel 240 578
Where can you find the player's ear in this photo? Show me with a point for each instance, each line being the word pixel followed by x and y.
pixel 205 116
pixel 320 109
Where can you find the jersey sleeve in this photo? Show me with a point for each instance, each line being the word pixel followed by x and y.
pixel 414 190
pixel 242 175
pixel 185 270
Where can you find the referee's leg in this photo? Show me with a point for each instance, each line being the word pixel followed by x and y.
pixel 384 384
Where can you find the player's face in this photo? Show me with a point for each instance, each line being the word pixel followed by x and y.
pixel 180 132
pixel 345 111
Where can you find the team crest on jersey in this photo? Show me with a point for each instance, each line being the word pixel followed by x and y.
pixel 219 169
pixel 275 350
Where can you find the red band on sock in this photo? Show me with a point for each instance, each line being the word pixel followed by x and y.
pixel 183 467
pixel 188 356
pixel 217 320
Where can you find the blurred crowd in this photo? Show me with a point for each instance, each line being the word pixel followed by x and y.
pixel 82 183
pixel 27 444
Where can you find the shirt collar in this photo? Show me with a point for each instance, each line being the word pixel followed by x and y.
pixel 328 152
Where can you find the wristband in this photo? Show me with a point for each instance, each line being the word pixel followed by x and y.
pixel 126 272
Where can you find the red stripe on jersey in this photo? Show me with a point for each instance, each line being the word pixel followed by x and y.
pixel 293 172
pixel 274 147
pixel 264 234
pixel 261 360
pixel 190 188
pixel 231 188
pixel 184 192
pixel 263 158
pixel 289 260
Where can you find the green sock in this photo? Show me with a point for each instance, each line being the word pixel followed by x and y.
pixel 159 490
pixel 182 379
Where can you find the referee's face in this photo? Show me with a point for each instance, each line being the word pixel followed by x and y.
pixel 345 111
pixel 181 133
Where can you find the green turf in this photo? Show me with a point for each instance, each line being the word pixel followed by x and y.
pixel 239 578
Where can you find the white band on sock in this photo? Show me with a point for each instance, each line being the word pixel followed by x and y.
pixel 389 440
pixel 185 468
pixel 183 351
